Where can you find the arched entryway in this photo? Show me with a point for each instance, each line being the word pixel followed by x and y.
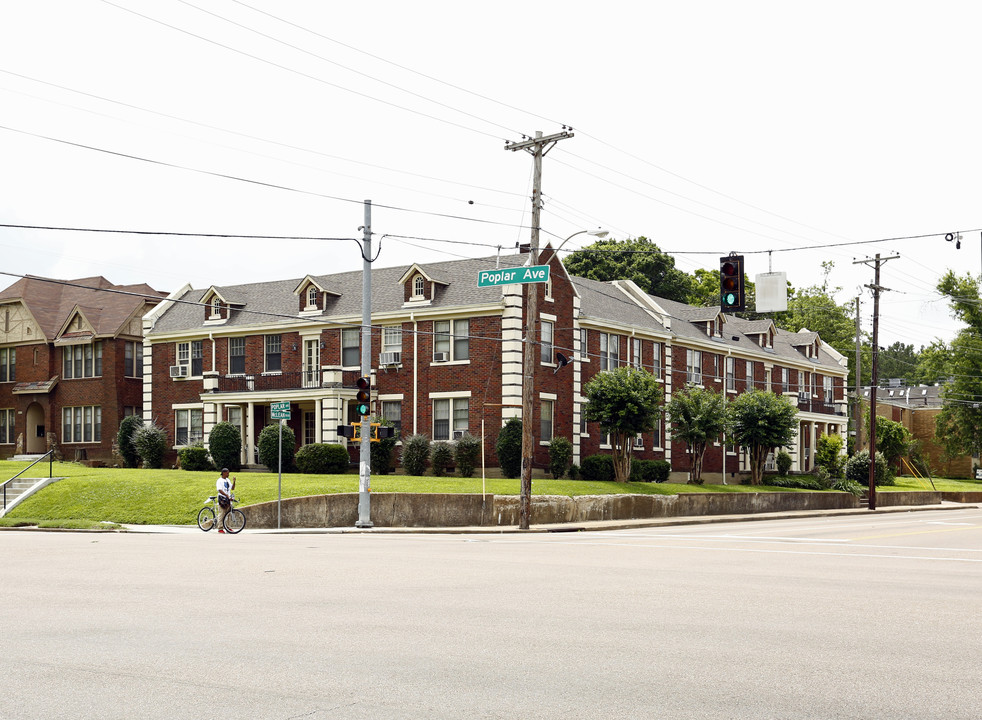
pixel 35 441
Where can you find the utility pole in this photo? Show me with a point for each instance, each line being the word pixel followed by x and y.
pixel 537 147
pixel 365 457
pixel 858 405
pixel 874 381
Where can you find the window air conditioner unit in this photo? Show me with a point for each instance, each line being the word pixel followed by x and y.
pixel 390 358
pixel 179 371
pixel 458 434
pixel 441 357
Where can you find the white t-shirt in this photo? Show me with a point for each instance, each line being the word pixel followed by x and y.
pixel 224 484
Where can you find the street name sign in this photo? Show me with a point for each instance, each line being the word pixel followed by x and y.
pixel 280 410
pixel 510 276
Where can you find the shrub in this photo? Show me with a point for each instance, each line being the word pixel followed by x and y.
pixel 322 459
pixel 661 470
pixel 225 444
pixel 784 463
pixel 849 486
pixel 828 454
pixel 805 483
pixel 508 449
pixel 150 442
pixel 650 470
pixel 442 458
pixel 574 471
pixel 415 454
pixel 269 450
pixel 560 456
pixel 857 469
pixel 598 468
pixel 124 438
pixel 194 457
pixel 465 454
pixel 381 451
pixel 823 477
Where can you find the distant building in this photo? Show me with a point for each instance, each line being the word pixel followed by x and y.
pixel 71 364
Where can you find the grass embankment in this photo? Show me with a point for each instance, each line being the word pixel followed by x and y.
pixel 91 497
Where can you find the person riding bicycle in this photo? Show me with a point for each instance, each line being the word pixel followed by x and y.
pixel 225 486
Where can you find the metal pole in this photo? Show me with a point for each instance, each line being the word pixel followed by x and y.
pixel 279 486
pixel 365 457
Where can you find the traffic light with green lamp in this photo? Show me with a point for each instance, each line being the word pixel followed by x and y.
pixel 731 284
pixel 364 396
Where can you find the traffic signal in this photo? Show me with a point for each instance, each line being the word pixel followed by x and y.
pixel 381 432
pixel 364 396
pixel 349 431
pixel 731 294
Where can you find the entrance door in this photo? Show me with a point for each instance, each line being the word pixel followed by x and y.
pixel 235 418
pixel 35 440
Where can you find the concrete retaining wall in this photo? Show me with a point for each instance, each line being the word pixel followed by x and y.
pixel 903 497
pixel 447 510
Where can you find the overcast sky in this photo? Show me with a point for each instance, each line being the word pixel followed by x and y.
pixel 708 127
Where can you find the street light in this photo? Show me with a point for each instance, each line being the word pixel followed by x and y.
pixel 528 372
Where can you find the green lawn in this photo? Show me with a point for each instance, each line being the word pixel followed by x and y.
pixel 88 497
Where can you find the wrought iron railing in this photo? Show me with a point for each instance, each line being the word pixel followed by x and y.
pixel 274 381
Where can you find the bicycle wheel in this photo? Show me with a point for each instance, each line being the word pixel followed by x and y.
pixel 234 521
pixel 206 518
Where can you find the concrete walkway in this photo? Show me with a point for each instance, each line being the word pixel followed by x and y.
pixel 592 526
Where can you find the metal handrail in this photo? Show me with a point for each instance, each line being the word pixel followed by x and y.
pixel 50 455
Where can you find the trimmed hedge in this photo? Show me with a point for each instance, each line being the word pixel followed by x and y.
pixel 322 459
pixel 597 468
pixel 195 457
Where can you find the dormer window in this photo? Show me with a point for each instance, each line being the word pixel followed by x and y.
pixel 311 297
pixel 216 307
pixel 418 286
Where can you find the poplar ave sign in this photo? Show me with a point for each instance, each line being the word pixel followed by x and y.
pixel 510 276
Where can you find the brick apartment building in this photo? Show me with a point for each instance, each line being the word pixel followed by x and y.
pixel 71 364
pixel 447 358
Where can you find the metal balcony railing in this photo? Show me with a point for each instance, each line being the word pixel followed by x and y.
pixel 274 381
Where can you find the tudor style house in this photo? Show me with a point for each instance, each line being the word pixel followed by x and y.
pixel 71 364
pixel 447 358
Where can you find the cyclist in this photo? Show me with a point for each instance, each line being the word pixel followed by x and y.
pixel 225 486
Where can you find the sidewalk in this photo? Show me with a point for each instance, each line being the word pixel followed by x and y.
pixel 590 526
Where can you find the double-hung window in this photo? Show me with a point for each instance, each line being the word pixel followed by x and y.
pixel 191 354
pixel 274 353
pixel 188 426
pixel 392 340
pixel 451 340
pixel 351 347
pixel 584 354
pixel 547 330
pixel 7 426
pixel 656 359
pixel 546 420
pixel 750 375
pixel 636 353
pixel 8 364
pixel 731 374
pixel 392 411
pixel 82 361
pixel 827 387
pixel 81 424
pixel 133 360
pixel 236 356
pixel 693 366
pixel 609 351
pixel 450 416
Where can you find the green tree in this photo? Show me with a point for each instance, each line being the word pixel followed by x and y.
pixel 625 402
pixel 828 454
pixel 698 417
pixel 124 439
pixel 225 445
pixel 898 361
pixel 637 259
pixel 893 440
pixel 958 427
pixel 934 363
pixel 269 447
pixel 760 422
pixel 705 290
pixel 150 442
pixel 508 448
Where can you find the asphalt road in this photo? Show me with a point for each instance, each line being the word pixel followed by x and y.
pixel 839 617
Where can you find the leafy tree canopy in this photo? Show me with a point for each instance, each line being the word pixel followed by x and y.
pixel 698 417
pixel 761 421
pixel 636 259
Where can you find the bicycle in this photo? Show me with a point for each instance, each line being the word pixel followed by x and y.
pixel 233 522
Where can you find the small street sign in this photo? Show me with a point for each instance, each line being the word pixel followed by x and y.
pixel 510 276
pixel 280 410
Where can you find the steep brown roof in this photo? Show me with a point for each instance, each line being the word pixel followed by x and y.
pixel 52 301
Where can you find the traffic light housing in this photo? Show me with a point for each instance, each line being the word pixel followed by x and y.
pixel 731 284
pixel 364 396
pixel 381 432
pixel 349 431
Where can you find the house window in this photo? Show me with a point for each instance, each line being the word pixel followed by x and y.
pixel 731 374
pixel 82 361
pixel 350 347
pixel 7 426
pixel 549 289
pixel 236 356
pixel 609 351
pixel 656 359
pixel 750 375
pixel 8 364
pixel 450 415
pixel 545 421
pixel 191 354
pixel 418 286
pixel 827 387
pixel 274 353
pixel 188 426
pixel 456 344
pixel 583 345
pixel 81 424
pixel 693 366
pixel 311 297
pixel 546 331
pixel 216 307
pixel 392 411
pixel 392 339
pixel 133 360
pixel 309 425
pixel 656 440
pixel 636 353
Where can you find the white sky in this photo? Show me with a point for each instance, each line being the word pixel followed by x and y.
pixel 708 127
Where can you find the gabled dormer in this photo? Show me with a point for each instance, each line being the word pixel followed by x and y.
pixel 77 328
pixel 805 342
pixel 761 332
pixel 312 296
pixel 420 286
pixel 218 305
